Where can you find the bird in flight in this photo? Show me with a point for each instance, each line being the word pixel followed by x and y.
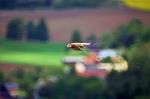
pixel 78 46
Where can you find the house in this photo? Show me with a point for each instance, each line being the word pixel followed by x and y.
pixel 71 60
pixel 12 88
pixel 107 53
pixel 97 64
pixel 8 90
pixel 116 63
pixel 85 66
pixel 90 70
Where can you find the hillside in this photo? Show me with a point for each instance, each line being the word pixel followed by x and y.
pixel 61 23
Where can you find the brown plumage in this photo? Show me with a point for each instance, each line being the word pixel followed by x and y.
pixel 77 46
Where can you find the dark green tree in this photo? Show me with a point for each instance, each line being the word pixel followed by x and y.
pixel 15 29
pixel 145 36
pixel 74 87
pixel 128 34
pixel 135 27
pixel 30 31
pixel 134 83
pixel 42 31
pixel 139 56
pixel 92 38
pixel 107 41
pixel 78 3
pixel 76 36
pixel 7 4
pixel 124 37
pixel 1 77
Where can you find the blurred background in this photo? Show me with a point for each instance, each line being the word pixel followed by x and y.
pixel 36 64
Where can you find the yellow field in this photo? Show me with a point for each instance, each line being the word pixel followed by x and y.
pixel 138 4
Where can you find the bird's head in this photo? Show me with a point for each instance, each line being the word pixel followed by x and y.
pixel 69 45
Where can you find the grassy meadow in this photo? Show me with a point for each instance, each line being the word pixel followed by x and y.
pixel 40 54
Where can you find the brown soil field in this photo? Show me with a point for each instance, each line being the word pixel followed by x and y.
pixel 61 23
pixel 4 67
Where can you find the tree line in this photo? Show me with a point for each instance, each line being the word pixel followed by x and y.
pixel 8 4
pixel 77 37
pixel 126 35
pixel 18 30
pixel 30 4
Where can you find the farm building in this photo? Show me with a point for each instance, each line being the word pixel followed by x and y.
pixel 92 66
pixel 9 90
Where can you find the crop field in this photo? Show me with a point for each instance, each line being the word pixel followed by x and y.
pixel 138 4
pixel 61 23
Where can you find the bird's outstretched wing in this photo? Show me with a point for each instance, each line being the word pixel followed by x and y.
pixel 81 43
pixel 86 43
pixel 78 45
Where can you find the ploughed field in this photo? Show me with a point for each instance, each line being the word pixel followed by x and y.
pixel 61 23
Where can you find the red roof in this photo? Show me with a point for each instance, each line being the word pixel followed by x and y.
pixel 91 58
pixel 92 73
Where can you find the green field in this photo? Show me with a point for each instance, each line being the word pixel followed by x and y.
pixel 32 53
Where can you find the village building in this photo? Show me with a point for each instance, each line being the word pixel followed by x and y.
pixel 92 65
pixel 9 90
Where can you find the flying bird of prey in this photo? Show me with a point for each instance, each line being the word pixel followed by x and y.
pixel 78 46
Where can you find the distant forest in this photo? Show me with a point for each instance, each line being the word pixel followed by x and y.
pixel 30 4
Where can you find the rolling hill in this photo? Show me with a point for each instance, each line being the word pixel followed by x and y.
pixel 61 23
